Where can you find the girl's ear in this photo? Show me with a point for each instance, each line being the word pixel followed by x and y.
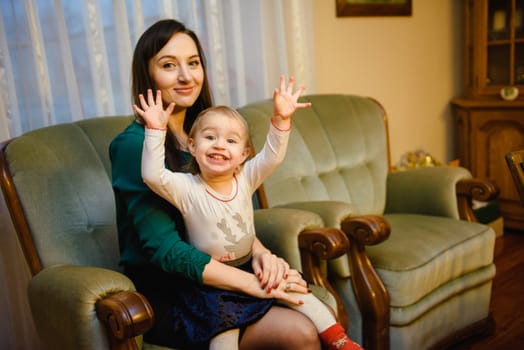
pixel 246 153
pixel 191 146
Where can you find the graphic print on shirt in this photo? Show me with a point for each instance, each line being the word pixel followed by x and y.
pixel 242 244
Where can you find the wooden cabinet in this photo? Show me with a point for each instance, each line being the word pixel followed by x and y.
pixel 494 35
pixel 488 127
pixel 485 131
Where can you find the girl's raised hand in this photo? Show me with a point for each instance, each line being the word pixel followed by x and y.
pixel 152 110
pixel 285 102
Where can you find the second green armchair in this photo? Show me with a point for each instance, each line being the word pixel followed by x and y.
pixel 418 271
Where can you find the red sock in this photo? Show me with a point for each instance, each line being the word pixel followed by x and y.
pixel 335 338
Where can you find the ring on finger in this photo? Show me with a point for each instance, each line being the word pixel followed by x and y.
pixel 288 286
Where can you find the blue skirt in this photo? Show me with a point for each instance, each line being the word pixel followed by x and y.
pixel 189 314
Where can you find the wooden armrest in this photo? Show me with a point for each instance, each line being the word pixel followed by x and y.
pixel 371 295
pixel 125 314
pixel 367 229
pixel 323 244
pixel 473 189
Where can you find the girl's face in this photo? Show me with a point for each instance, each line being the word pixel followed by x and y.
pixel 177 71
pixel 219 145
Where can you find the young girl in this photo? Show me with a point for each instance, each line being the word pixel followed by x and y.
pixel 216 201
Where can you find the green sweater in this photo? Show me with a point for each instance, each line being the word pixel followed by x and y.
pixel 149 228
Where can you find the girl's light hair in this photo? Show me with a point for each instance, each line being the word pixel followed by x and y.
pixel 192 165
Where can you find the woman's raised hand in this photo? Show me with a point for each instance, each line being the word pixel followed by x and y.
pixel 152 110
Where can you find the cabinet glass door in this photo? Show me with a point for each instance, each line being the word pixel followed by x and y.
pixel 519 63
pixel 498 64
pixel 519 41
pixel 499 17
pixel 519 19
pixel 505 44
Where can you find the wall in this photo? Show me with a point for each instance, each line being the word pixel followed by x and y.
pixel 412 65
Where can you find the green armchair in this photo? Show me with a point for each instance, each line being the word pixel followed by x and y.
pixel 56 184
pixel 418 271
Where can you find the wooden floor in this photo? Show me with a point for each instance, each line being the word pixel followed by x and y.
pixel 507 303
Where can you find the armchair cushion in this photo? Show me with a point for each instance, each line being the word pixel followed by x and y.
pixel 429 261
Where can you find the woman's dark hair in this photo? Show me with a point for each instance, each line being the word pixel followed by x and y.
pixel 149 44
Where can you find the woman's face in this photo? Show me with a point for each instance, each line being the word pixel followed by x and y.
pixel 177 71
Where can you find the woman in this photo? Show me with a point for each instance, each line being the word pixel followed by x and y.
pixel 168 57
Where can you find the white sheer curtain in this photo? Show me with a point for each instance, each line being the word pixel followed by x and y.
pixel 64 60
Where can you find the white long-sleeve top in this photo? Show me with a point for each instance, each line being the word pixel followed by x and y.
pixel 220 225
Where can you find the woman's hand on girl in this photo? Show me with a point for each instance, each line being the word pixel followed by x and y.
pixel 289 290
pixel 270 270
pixel 274 272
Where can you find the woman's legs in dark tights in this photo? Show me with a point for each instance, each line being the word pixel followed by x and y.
pixel 281 329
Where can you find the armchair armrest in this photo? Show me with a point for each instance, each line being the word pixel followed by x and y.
pixel 428 191
pixel 370 292
pixel 278 229
pixel 473 189
pixel 111 313
pixel 126 315
pixel 300 238
pixel 323 244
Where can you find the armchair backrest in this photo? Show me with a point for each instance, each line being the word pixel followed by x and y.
pixel 338 150
pixel 57 186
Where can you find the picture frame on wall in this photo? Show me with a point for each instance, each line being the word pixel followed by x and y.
pixel 358 8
